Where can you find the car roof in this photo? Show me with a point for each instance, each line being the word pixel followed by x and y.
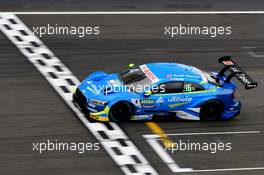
pixel 176 72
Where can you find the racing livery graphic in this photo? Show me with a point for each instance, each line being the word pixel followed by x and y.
pixel 168 89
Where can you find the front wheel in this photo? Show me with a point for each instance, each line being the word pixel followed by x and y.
pixel 211 110
pixel 120 112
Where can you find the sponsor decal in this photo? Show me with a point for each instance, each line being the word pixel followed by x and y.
pixel 147 103
pixel 180 77
pixel 177 104
pixel 93 89
pixel 148 73
pixel 234 69
pixel 179 99
pixel 177 79
pixel 243 78
pixel 136 102
pixel 169 76
pixel 148 106
pixel 192 76
pixel 160 101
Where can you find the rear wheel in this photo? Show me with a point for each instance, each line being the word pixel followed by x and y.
pixel 211 110
pixel 120 112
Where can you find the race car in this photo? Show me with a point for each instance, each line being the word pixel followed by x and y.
pixel 162 89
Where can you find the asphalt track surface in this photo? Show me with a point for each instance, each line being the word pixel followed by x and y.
pixel 31 111
pixel 130 5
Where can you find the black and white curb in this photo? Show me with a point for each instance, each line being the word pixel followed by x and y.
pixel 113 139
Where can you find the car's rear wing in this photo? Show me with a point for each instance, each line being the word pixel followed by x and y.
pixel 235 71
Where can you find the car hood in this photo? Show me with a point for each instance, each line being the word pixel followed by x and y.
pixel 100 85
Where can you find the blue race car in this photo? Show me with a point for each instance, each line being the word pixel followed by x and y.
pixel 167 89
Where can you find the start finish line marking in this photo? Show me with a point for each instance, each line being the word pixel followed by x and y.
pixel 111 137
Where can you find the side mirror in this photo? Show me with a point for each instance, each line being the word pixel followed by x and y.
pixel 147 94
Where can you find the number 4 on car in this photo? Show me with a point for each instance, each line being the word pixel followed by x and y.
pixel 163 89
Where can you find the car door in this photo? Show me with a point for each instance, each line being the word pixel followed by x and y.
pixel 169 96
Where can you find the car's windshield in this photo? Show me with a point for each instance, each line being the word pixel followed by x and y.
pixel 211 78
pixel 135 79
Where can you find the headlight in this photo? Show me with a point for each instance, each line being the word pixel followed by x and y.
pixel 98 102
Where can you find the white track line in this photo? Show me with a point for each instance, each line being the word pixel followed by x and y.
pixel 154 136
pixel 135 12
pixel 173 166
pixel 226 169
pixel 122 150
pixel 152 139
pixel 248 47
pixel 215 133
pixel 253 54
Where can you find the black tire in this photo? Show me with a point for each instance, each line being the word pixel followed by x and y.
pixel 211 110
pixel 120 112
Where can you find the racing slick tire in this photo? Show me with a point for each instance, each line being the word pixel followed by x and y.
pixel 211 110
pixel 120 112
